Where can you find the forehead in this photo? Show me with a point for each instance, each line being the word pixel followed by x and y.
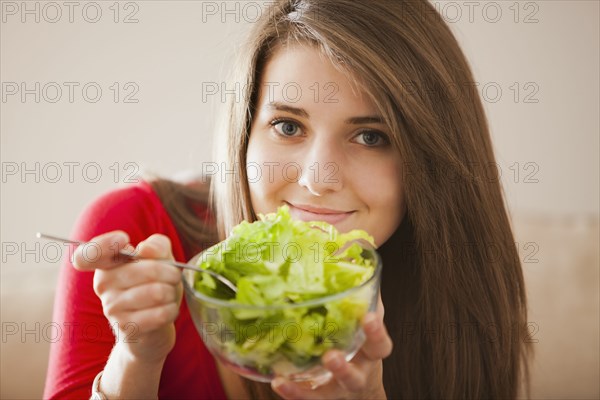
pixel 301 74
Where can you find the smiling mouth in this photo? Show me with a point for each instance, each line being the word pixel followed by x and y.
pixel 309 213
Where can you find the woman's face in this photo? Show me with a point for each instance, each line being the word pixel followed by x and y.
pixel 320 147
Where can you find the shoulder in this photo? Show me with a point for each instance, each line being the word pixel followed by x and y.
pixel 134 208
pixel 139 196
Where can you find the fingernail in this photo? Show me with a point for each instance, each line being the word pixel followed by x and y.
pixel 119 237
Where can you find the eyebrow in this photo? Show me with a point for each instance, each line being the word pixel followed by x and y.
pixel 373 119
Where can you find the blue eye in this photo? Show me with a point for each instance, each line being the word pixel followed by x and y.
pixel 373 138
pixel 286 128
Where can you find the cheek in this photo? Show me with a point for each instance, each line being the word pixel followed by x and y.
pixel 383 194
pixel 379 187
pixel 264 177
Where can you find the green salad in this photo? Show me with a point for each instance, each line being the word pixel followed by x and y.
pixel 280 262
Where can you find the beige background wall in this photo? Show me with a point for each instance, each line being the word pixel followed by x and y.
pixel 536 63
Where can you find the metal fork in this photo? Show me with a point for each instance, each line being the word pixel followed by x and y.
pixel 133 257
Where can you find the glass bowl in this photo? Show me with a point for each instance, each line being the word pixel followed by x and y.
pixel 262 342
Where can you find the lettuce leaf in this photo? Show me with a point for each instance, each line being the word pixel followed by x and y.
pixel 278 260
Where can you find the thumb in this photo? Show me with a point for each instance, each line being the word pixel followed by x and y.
pixel 100 251
pixel 156 246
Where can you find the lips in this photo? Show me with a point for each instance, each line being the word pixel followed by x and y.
pixel 305 212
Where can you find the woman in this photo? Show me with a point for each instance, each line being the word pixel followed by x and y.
pixel 371 105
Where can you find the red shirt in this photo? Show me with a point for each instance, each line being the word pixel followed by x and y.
pixel 87 339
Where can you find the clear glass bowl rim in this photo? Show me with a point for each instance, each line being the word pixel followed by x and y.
pixel 309 303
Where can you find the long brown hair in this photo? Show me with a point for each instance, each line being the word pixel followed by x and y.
pixel 452 282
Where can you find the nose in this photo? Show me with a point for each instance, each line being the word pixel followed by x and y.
pixel 322 168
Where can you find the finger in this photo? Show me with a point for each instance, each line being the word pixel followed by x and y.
pixel 100 251
pixel 302 390
pixel 149 319
pixel 380 309
pixel 378 344
pixel 156 246
pixel 348 375
pixel 139 298
pixel 136 273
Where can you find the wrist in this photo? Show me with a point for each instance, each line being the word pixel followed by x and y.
pixel 127 355
pixel 376 394
pixel 128 376
pixel 380 394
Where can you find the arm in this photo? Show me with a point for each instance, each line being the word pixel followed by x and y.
pixel 88 339
pixel 144 295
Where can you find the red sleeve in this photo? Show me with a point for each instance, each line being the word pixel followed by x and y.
pixel 87 338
